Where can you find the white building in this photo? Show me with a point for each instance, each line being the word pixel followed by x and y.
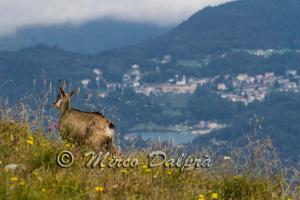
pixel 222 86
pixel 182 82
pixel 242 77
pixel 85 83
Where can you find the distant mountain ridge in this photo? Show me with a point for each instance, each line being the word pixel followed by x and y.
pixel 89 37
pixel 243 24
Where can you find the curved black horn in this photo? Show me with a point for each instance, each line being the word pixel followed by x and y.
pixel 65 84
pixel 58 83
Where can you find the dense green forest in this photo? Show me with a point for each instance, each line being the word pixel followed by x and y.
pixel 277 118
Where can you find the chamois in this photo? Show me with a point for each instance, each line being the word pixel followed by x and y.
pixel 90 128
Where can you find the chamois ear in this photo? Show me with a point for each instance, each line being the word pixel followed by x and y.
pixel 62 92
pixel 72 93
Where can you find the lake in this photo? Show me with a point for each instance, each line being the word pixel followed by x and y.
pixel 178 138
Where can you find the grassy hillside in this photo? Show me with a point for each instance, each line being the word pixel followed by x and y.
pixel 38 176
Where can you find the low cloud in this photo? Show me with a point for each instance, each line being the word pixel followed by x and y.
pixel 16 14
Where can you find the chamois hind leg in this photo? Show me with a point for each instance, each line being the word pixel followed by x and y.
pixel 93 138
pixel 106 144
pixel 99 143
pixel 97 139
pixel 111 147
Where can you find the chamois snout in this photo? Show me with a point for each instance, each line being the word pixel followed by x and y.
pixel 56 104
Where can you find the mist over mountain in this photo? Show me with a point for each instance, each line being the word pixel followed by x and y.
pixel 90 37
pixel 244 24
pixel 251 24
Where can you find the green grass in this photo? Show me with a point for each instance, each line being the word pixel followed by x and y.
pixel 39 176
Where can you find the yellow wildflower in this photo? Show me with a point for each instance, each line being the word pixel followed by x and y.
pixel 99 189
pixel 166 164
pixel 44 190
pixel 109 159
pixel 214 195
pixel 67 145
pixel 148 170
pixel 30 142
pixel 14 179
pixel 145 166
pixel 169 172
pixel 124 171
pixel 289 198
pixel 102 165
pixel 30 138
pixel 201 197
pixel 22 183
pixel 34 173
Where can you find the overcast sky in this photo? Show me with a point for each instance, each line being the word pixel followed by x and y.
pixel 15 14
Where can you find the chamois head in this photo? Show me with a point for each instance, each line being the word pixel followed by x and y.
pixel 63 100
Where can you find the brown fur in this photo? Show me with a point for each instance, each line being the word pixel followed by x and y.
pixel 90 128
